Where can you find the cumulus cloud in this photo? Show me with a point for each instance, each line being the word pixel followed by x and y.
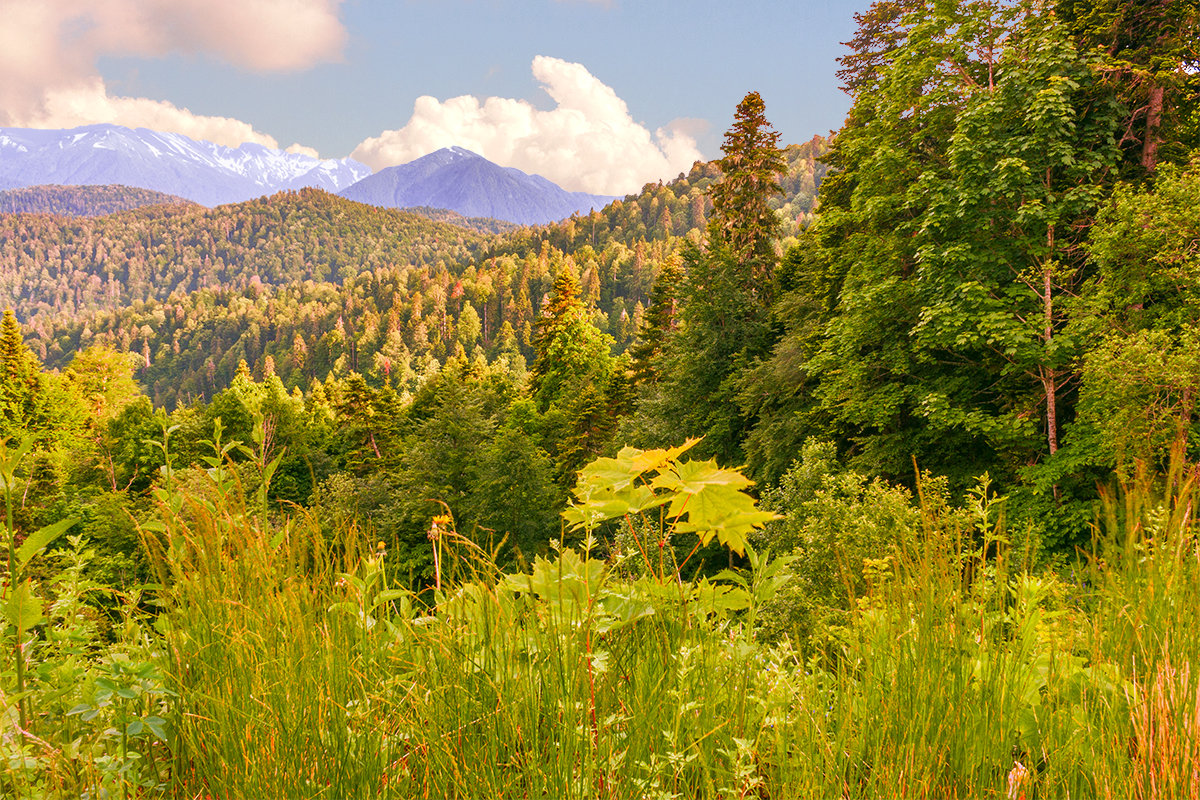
pixel 49 50
pixel 89 103
pixel 302 150
pixel 587 142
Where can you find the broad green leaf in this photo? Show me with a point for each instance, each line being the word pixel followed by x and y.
pixel 23 609
pixel 40 539
pixel 630 464
pixel 609 505
pixel 720 598
pixel 157 726
pixel 690 477
pixel 10 458
pixel 623 609
pixel 730 531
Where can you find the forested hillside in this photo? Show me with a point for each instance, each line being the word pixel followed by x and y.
pixel 64 268
pixel 82 201
pixel 321 285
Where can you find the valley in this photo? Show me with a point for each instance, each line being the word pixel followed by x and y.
pixel 860 467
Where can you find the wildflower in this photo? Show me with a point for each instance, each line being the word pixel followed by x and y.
pixel 1018 780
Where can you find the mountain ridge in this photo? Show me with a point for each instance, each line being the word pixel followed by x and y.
pixel 457 179
pixel 82 201
pixel 210 174
pixel 203 172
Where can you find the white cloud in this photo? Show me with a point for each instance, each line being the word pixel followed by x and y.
pixel 89 103
pixel 302 150
pixel 49 50
pixel 588 142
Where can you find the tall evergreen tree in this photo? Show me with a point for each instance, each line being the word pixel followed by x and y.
pixel 570 350
pixel 742 218
pixel 24 406
pixel 659 322
pixel 724 300
pixel 575 381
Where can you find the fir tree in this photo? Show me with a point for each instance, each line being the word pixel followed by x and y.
pixel 570 350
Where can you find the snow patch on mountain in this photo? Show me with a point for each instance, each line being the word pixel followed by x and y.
pixel 204 172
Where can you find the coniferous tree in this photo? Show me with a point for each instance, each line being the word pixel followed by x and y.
pixel 658 323
pixel 23 391
pixel 570 350
pixel 724 317
pixel 742 217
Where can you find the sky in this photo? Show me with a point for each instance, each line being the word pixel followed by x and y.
pixel 597 95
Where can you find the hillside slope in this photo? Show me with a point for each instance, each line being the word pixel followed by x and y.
pixel 82 201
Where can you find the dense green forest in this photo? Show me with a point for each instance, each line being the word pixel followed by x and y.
pixel 862 467
pixel 82 201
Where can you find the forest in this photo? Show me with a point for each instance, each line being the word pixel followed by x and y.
pixel 862 467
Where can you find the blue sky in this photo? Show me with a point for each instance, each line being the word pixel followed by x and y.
pixel 641 86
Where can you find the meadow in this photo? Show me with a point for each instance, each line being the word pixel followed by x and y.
pixel 270 659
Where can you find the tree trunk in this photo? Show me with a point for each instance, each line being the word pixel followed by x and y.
pixel 1049 382
pixel 1153 124
pixel 1049 374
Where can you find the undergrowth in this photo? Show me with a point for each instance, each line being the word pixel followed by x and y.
pixel 270 660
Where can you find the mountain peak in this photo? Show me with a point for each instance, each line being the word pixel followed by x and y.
pixel 204 172
pixel 457 179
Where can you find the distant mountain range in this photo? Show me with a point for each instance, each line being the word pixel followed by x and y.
pixel 203 172
pixel 212 174
pixel 468 183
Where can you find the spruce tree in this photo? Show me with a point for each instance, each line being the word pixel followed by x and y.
pixel 23 401
pixel 742 218
pixel 657 325
pixel 570 350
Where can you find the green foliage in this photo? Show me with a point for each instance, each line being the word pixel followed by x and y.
pixel 570 351
pixel 1138 397
pixel 722 329
pixel 1147 53
pixel 840 528
pixel 953 663
pixel 713 499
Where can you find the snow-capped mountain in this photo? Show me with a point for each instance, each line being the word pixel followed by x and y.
pixel 206 173
pixel 462 181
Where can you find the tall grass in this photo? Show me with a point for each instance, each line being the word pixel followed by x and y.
pixel 302 673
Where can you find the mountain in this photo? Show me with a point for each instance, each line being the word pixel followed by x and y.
pixel 323 285
pixel 82 201
pixel 71 266
pixel 462 181
pixel 203 172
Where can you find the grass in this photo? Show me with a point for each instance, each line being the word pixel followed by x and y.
pixel 291 667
